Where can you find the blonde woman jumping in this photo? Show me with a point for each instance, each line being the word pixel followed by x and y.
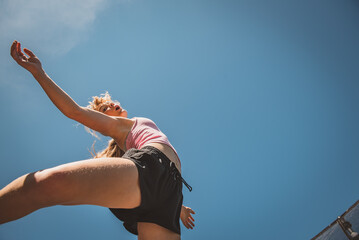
pixel 138 176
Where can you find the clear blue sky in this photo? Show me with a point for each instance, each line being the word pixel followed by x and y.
pixel 260 99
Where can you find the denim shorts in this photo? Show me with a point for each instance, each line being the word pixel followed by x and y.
pixel 161 191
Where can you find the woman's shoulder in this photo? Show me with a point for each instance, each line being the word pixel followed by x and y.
pixel 124 124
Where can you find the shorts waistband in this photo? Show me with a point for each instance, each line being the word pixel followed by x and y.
pixel 174 171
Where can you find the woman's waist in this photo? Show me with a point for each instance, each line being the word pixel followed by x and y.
pixel 168 151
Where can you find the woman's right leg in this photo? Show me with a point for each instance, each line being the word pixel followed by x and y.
pixel 107 182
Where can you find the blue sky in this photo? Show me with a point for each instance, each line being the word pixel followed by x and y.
pixel 258 97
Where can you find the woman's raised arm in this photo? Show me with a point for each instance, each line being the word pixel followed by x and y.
pixel 97 121
pixel 61 100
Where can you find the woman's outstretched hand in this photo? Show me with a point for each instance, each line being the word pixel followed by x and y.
pixel 31 63
pixel 187 218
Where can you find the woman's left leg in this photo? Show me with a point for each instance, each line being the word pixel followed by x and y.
pixel 149 231
pixel 107 182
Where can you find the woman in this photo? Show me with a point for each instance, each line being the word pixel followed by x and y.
pixel 143 188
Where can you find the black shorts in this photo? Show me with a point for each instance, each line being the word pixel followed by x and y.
pixel 161 191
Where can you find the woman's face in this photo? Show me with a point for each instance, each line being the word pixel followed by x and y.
pixel 113 110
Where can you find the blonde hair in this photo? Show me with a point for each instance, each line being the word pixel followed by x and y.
pixel 112 149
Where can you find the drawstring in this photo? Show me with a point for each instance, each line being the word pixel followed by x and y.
pixel 187 185
pixel 176 175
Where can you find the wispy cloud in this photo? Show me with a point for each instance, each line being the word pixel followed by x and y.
pixel 52 26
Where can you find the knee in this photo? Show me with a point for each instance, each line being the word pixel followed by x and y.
pixel 50 186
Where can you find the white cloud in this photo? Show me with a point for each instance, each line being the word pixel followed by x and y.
pixel 54 26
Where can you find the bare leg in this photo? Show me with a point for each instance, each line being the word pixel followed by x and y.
pixel 13 203
pixel 107 182
pixel 149 231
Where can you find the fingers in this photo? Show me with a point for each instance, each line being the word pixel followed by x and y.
pixel 18 49
pixel 22 58
pixel 13 48
pixel 190 216
pixel 15 53
pixel 187 218
pixel 29 53
pixel 189 224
